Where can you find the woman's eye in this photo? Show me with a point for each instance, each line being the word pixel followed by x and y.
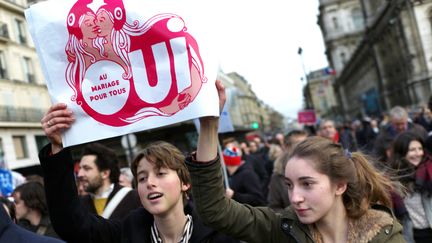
pixel 142 179
pixel 307 184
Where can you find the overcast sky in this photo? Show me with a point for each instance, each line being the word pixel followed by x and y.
pixel 260 42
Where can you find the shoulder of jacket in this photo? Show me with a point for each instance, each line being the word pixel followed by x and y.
pixel 375 221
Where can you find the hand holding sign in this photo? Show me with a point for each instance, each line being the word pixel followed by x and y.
pixel 57 118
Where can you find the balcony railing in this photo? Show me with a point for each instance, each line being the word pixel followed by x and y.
pixel 13 114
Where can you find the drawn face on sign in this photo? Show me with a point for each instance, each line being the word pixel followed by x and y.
pixel 89 27
pixel 105 23
pixel 149 67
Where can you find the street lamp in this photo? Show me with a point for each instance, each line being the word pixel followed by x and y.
pixel 309 104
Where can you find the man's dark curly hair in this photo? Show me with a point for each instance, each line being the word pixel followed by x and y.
pixel 106 159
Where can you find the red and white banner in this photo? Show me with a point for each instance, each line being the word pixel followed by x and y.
pixel 307 117
pixel 125 66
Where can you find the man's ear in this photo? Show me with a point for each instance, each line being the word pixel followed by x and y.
pixel 105 174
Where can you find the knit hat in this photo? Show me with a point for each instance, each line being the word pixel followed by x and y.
pixel 232 156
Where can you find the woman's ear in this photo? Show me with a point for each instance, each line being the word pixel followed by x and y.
pixel 341 188
pixel 185 187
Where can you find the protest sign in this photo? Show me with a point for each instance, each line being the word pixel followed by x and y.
pixel 125 66
pixel 225 123
pixel 306 117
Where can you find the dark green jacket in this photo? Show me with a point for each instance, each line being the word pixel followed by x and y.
pixel 261 224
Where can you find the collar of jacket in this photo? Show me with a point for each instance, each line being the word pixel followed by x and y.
pixel 140 222
pixel 291 225
pixel 380 215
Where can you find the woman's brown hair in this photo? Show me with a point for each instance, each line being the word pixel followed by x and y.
pixel 365 184
pixel 163 155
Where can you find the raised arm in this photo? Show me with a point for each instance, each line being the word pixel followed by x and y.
pixel 238 220
pixel 71 222
pixel 208 137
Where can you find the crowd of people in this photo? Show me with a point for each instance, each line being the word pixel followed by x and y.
pixel 368 181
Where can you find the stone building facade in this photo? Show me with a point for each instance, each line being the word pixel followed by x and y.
pixel 321 93
pixel 390 64
pixel 23 93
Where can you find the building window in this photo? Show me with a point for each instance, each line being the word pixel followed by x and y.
pixel 343 58
pixel 2 155
pixel 3 72
pixel 335 23
pixel 41 141
pixel 21 33
pixel 430 17
pixel 4 30
pixel 29 76
pixel 357 18
pixel 20 146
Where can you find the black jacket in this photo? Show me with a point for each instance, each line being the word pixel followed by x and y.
pixel 246 186
pixel 10 232
pixel 44 228
pixel 74 224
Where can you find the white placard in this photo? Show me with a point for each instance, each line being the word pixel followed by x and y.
pixel 125 66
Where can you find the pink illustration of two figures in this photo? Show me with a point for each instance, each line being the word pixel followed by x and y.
pixel 124 71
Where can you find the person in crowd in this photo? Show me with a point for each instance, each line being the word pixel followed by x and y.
pixel 424 118
pixel 252 157
pixel 126 177
pixel 244 184
pixel 10 232
pixel 333 195
pixel 414 169
pixel 80 188
pixel 294 137
pixel 9 207
pixel 383 149
pixel 365 136
pixel 328 130
pixel 399 122
pixel 260 148
pixel 261 145
pixel 31 209
pixel 99 174
pixel 278 198
pixel 280 140
pixel 34 177
pixel 163 182
pixel 9 179
pixel 374 125
pixel 275 151
pixel 253 147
